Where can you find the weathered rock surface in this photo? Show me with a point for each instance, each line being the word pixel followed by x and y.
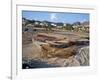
pixel 26 38
pixel 57 52
pixel 46 55
pixel 31 51
pixel 71 61
pixel 83 56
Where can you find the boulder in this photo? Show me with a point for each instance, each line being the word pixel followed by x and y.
pixel 48 51
pixel 83 56
pixel 31 51
pixel 71 61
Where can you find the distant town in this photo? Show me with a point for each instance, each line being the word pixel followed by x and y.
pixel 77 26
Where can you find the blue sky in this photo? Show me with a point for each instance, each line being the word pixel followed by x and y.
pixel 56 16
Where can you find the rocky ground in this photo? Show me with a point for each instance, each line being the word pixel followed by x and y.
pixel 66 49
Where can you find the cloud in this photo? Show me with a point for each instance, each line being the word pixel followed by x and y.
pixel 53 17
pixel 84 20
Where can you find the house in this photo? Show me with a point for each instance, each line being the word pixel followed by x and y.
pixel 53 24
pixel 37 23
pixel 59 25
pixel 81 26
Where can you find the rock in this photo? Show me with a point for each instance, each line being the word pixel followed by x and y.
pixel 71 61
pixel 82 42
pixel 66 52
pixel 31 51
pixel 83 56
pixel 57 52
pixel 61 44
pixel 43 37
pixel 26 38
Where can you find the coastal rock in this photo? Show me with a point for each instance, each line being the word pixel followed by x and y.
pixel 83 56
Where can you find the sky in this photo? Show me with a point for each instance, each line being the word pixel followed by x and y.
pixel 56 16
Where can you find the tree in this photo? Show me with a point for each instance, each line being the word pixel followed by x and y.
pixel 68 27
